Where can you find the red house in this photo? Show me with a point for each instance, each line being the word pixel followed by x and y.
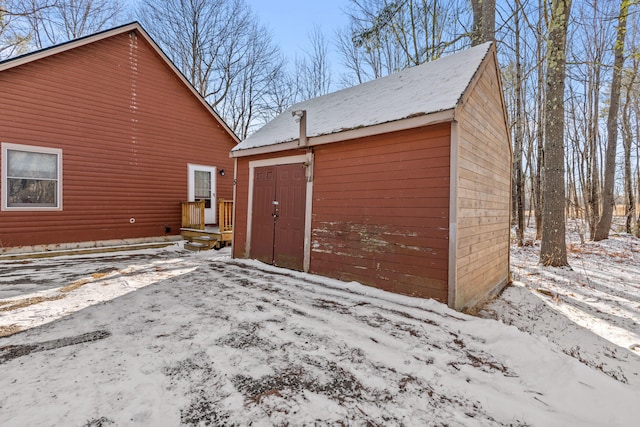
pixel 402 183
pixel 102 138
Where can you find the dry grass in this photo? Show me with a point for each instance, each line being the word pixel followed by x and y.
pixel 578 248
pixel 26 302
pixel 75 285
pixel 79 283
pixel 5 331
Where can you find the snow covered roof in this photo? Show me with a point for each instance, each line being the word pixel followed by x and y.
pixel 418 91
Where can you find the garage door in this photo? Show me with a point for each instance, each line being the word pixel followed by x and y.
pixel 277 226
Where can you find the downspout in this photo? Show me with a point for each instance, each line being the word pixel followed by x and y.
pixel 300 117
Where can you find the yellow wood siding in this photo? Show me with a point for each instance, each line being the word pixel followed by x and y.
pixel 483 192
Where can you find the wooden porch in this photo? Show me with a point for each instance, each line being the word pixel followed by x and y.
pixel 200 236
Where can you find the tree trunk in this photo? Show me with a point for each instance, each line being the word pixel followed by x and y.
pixel 627 139
pixel 608 199
pixel 518 135
pixel 484 21
pixel 536 181
pixel 553 251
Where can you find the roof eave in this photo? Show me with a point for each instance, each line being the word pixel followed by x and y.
pixel 413 122
pixel 62 47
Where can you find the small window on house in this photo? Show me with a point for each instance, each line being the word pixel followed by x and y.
pixel 31 177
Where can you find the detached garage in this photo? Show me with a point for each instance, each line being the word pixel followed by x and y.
pixel 402 183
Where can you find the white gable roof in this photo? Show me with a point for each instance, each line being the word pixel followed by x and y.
pixel 422 90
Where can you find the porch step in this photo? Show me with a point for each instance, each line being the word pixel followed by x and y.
pixel 201 240
pixel 196 246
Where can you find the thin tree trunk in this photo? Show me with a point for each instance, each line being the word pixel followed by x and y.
pixel 608 199
pixel 627 139
pixel 553 251
pixel 518 137
pixel 537 177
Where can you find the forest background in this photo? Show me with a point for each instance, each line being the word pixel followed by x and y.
pixel 570 75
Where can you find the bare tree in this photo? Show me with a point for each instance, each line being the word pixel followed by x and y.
pixel 627 139
pixel 484 21
pixel 246 105
pixel 518 128
pixel 50 22
pixel 608 199
pixel 589 57
pixel 553 250
pixel 220 48
pixel 18 29
pixel 313 72
pixel 13 40
pixel 387 36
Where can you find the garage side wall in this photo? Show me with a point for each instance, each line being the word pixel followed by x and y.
pixel 483 192
pixel 127 127
pixel 380 211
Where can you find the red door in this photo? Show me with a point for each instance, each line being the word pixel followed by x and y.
pixel 277 226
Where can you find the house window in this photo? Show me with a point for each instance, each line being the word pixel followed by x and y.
pixel 31 178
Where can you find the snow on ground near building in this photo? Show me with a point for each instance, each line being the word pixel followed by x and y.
pixel 169 337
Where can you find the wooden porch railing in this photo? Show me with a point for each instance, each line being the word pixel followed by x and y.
pixel 193 215
pixel 225 209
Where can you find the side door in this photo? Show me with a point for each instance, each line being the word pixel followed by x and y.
pixel 202 186
pixel 278 216
pixel 263 211
pixel 291 194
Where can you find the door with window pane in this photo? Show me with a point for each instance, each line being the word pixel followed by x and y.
pixel 202 186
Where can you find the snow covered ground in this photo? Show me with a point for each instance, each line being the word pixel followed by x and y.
pixel 166 337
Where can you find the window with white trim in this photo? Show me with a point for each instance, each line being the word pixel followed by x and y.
pixel 31 177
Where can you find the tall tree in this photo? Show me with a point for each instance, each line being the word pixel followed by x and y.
pixel 484 21
pixel 50 22
pixel 553 250
pixel 13 41
pixel 627 138
pixel 536 180
pixel 314 70
pixel 221 49
pixel 386 36
pixel 608 199
pixel 518 131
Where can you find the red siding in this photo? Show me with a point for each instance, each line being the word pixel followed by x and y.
pixel 127 126
pixel 381 211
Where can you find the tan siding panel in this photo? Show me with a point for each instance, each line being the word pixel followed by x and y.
pixel 483 194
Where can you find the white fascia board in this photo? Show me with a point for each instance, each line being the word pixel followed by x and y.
pixel 395 126
pixel 43 53
pixel 274 148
